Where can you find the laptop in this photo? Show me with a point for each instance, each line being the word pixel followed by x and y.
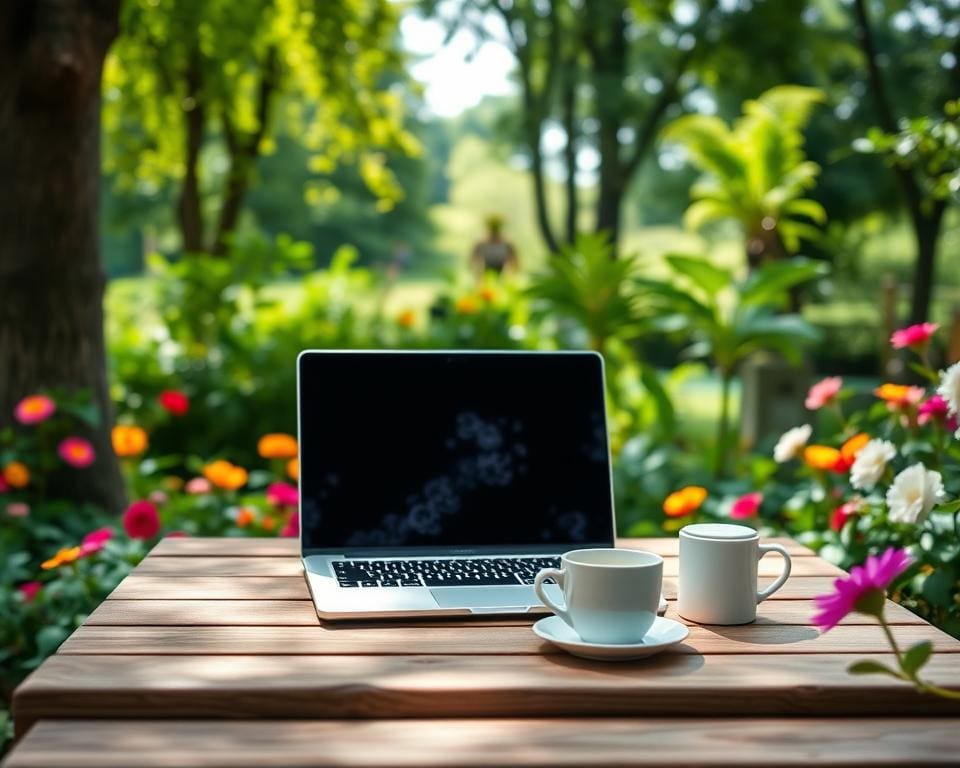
pixel 439 483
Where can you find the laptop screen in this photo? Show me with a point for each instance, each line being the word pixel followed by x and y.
pixel 461 451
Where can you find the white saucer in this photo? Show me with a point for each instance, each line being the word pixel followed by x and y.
pixel 663 634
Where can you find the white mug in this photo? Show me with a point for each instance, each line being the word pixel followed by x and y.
pixel 718 573
pixel 611 596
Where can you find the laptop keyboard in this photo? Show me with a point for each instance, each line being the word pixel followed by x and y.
pixel 472 572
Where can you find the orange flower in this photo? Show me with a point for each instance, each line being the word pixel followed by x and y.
pixel 821 457
pixel 128 440
pixel 899 395
pixel 685 501
pixel 244 517
pixel 16 474
pixel 64 556
pixel 488 294
pixel 277 445
pixel 293 469
pixel 268 523
pixel 225 475
pixel 407 318
pixel 850 449
pixel 467 305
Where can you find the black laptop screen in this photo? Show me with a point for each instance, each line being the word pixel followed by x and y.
pixel 455 450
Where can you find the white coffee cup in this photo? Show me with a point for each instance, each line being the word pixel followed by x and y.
pixel 718 573
pixel 611 596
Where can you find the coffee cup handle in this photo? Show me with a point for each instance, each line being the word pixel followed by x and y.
pixel 557 575
pixel 782 578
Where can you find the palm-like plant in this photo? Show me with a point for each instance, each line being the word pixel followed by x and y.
pixel 755 171
pixel 728 320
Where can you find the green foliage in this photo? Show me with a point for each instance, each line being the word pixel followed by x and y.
pixel 755 172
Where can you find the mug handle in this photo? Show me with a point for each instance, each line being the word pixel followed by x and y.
pixel 557 575
pixel 781 579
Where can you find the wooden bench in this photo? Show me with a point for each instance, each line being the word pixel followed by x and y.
pixel 210 653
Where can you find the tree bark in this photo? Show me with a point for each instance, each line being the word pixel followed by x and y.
pixel 190 207
pixel 51 279
pixel 926 231
pixel 569 105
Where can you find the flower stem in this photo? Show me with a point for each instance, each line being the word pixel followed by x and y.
pixel 891 639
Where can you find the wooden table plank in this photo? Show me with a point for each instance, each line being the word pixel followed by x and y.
pixel 164 587
pixel 471 641
pixel 529 742
pixel 301 613
pixel 480 686
pixel 281 547
pixel 176 567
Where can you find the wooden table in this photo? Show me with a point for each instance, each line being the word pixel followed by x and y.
pixel 210 653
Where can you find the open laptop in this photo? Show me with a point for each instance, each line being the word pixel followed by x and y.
pixel 437 483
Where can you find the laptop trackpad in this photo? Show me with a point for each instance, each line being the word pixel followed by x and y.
pixel 517 597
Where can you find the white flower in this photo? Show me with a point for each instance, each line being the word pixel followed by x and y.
pixel 949 389
pixel 914 492
pixel 791 443
pixel 870 464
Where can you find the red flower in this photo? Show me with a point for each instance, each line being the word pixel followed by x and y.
pixel 174 402
pixel 141 520
pixel 840 516
pixel 282 495
pixel 77 452
pixel 29 590
pixel 4 486
pixel 292 528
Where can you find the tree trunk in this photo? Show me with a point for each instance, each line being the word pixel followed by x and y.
pixel 570 149
pixel 190 207
pixel 51 279
pixel 926 230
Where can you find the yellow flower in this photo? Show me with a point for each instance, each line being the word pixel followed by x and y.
pixel 821 457
pixel 407 318
pixel 64 556
pixel 293 469
pixel 467 305
pixel 16 474
pixel 128 440
pixel 225 475
pixel 488 294
pixel 685 501
pixel 277 445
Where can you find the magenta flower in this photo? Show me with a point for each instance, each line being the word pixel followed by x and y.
pixel 29 590
pixel 935 408
pixel 95 541
pixel 914 335
pixel 77 452
pixel 746 506
pixel 863 591
pixel 292 528
pixel 282 495
pixel 34 409
pixel 141 521
pixel 823 393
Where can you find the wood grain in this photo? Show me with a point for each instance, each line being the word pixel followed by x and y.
pixel 176 567
pixel 480 686
pixel 163 587
pixel 222 613
pixel 244 547
pixel 530 742
pixel 389 639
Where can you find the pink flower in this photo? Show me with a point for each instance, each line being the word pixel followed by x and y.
pixel 77 452
pixel 34 408
pixel 292 528
pixel 95 541
pixel 29 590
pixel 914 335
pixel 18 509
pixel 746 506
pixel 198 486
pixel 4 485
pixel 935 408
pixel 840 516
pixel 863 590
pixel 823 392
pixel 282 495
pixel 141 520
pixel 158 497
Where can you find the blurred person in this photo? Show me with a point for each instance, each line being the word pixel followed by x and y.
pixel 493 253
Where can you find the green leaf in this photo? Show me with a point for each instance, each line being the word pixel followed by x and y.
pixel 950 507
pixel 705 275
pixel 872 668
pixel 770 283
pixel 917 656
pixel 938 586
